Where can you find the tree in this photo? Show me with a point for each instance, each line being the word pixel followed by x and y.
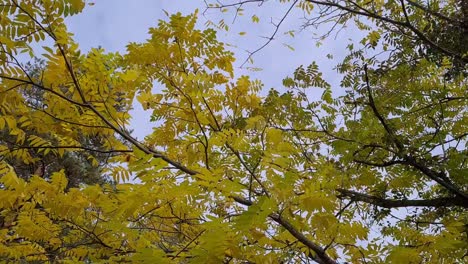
pixel 78 168
pixel 229 175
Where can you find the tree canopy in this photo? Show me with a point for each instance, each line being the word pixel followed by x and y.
pixel 232 173
pixel 78 168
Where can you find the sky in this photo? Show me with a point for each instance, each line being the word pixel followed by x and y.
pixel 112 24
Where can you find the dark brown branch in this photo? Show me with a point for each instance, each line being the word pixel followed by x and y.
pixel 12 88
pixel 381 165
pixel 366 13
pixel 251 172
pixel 441 101
pixel 436 176
pixel 90 234
pixel 381 119
pixel 43 88
pixel 242 200
pixel 432 12
pixel 363 256
pixel 68 121
pixel 321 255
pixel 188 244
pixel 407 158
pixel 392 203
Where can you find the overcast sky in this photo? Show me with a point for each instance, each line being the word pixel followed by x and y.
pixel 112 24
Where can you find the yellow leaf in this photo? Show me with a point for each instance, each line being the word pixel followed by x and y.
pixel 130 75
pixel 255 19
pixel 59 180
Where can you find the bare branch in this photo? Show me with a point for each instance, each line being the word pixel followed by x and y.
pixel 272 36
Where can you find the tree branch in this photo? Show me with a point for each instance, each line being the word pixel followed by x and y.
pixel 321 255
pixel 392 203
pixel 366 13
pixel 432 12
pixel 407 158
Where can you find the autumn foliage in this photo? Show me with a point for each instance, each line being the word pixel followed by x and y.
pixel 232 173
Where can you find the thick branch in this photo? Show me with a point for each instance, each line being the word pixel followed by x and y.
pixel 432 12
pixel 321 255
pixel 392 203
pixel 436 176
pixel 242 200
pixel 408 159
pixel 377 113
pixel 380 165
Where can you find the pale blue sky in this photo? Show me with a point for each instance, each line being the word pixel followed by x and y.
pixel 112 24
